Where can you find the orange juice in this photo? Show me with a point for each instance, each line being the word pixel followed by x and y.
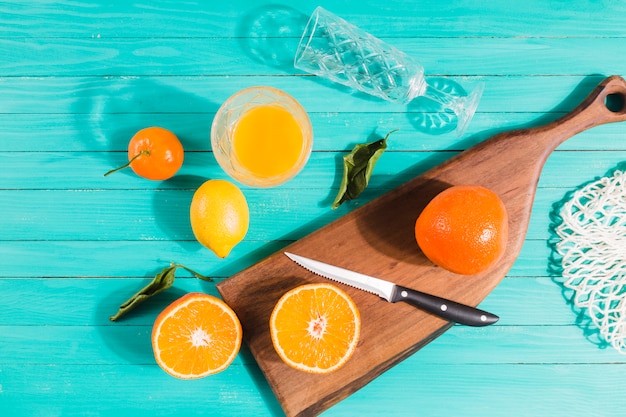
pixel 267 141
pixel 261 136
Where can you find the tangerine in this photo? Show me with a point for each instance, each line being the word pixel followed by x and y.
pixel 154 153
pixel 315 328
pixel 464 229
pixel 195 336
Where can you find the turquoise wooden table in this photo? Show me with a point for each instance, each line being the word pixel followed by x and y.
pixel 78 79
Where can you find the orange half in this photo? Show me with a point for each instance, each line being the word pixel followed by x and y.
pixel 315 328
pixel 196 336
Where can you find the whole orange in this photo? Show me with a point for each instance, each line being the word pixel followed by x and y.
pixel 464 229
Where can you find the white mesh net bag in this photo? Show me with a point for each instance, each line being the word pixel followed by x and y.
pixel 593 250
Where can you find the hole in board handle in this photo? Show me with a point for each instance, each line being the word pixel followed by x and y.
pixel 615 102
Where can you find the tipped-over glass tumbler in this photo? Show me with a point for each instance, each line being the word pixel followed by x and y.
pixel 335 49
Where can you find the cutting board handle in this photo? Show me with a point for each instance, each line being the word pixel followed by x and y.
pixel 598 108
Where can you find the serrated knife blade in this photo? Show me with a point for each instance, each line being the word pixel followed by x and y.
pixel 444 308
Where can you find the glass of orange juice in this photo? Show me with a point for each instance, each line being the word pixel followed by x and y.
pixel 261 136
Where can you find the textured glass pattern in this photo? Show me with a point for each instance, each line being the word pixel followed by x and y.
pixel 337 50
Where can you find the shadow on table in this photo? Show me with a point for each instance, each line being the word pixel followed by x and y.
pixel 257 377
pixel 270 35
pixel 118 107
pixel 582 90
pixel 428 116
pixel 171 209
pixel 129 345
pixel 555 270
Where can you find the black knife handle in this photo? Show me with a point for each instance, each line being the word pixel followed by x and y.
pixel 447 309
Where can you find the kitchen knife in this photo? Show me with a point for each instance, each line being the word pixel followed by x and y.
pixel 447 309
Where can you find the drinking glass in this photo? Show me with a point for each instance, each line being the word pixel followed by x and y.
pixel 335 49
pixel 224 134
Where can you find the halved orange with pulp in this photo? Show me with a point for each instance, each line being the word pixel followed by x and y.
pixel 195 336
pixel 315 328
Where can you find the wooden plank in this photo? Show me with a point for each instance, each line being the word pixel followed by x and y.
pixel 483 390
pixel 144 258
pixel 163 214
pixel 151 213
pixel 334 131
pixel 433 390
pixel 85 259
pixel 87 304
pixel 144 215
pixel 143 390
pixel 393 18
pixel 121 344
pixel 204 94
pixel 90 301
pixel 84 170
pixel 213 56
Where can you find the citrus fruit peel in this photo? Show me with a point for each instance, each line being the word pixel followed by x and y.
pixel 219 216
pixel 464 229
pixel 154 153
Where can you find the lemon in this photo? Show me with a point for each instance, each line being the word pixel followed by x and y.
pixel 219 216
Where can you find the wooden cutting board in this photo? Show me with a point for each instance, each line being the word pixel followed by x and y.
pixel 378 239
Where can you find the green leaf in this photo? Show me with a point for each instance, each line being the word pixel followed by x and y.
pixel 357 169
pixel 161 282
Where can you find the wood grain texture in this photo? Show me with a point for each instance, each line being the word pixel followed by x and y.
pixel 197 56
pixel 170 19
pixel 378 240
pixel 109 133
pixel 202 95
pixel 93 300
pixel 77 79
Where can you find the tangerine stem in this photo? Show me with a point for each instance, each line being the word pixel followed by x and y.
pixel 144 152
pixel 194 273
